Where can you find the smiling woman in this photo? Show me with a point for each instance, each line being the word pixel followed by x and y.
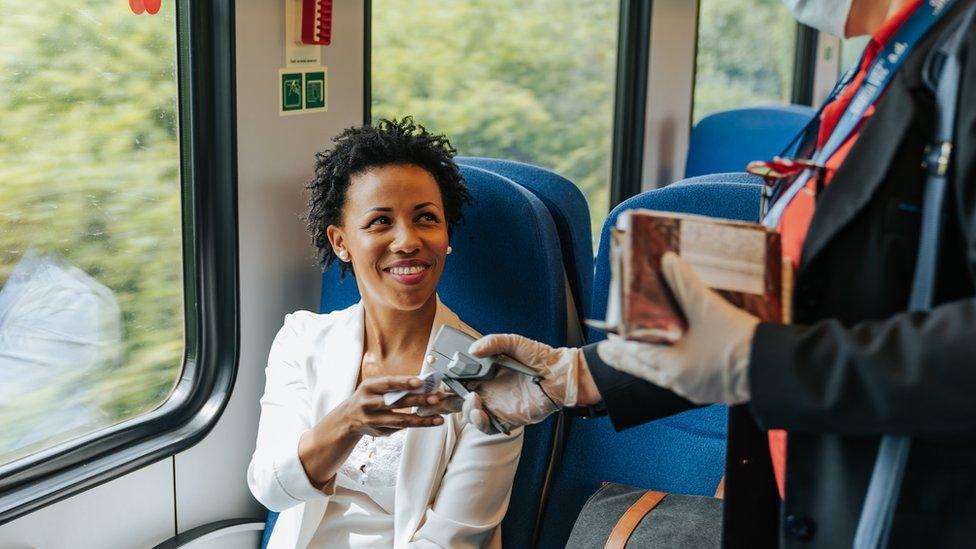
pixel 394 235
pixel 329 449
pixel 358 151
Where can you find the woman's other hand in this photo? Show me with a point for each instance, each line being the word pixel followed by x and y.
pixel 365 413
pixel 323 448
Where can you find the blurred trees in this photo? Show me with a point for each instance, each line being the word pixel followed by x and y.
pixel 89 171
pixel 745 55
pixel 533 80
pixel 522 80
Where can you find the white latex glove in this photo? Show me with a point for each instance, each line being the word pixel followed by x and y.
pixel 710 364
pixel 514 397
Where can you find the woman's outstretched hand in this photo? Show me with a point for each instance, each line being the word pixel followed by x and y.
pixel 323 448
pixel 365 413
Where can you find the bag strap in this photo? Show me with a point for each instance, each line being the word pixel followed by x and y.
pixel 635 513
pixel 874 527
pixel 631 518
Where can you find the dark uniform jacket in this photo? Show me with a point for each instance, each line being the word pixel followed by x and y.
pixel 855 365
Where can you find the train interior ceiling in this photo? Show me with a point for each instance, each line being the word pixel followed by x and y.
pixel 169 212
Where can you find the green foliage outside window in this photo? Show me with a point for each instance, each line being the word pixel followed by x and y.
pixel 89 172
pixel 745 55
pixel 521 80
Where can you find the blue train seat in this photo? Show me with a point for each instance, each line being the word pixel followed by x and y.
pixel 505 275
pixel 569 210
pixel 741 178
pixel 684 453
pixel 727 141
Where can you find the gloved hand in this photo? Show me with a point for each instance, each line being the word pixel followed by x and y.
pixel 514 397
pixel 710 363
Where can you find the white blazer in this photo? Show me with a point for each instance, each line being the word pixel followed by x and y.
pixel 453 484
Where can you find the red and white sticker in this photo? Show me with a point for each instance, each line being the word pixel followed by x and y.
pixel 139 7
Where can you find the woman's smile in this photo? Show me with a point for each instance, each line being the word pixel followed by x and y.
pixel 408 271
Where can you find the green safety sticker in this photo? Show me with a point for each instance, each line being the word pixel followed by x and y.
pixel 303 90
pixel 315 90
pixel 291 91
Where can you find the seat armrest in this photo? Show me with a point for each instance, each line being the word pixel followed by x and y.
pixel 218 535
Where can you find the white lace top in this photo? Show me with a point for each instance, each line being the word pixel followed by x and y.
pixel 374 461
pixel 360 514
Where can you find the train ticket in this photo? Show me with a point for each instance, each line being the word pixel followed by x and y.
pixel 431 382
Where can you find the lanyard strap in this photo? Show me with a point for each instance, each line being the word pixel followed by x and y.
pixel 801 140
pixel 879 75
pixel 803 143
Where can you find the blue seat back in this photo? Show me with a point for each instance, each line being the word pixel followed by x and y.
pixel 570 212
pixel 504 276
pixel 684 453
pixel 741 178
pixel 727 141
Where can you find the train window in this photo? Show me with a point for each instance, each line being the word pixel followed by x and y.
pixel 109 228
pixel 745 55
pixel 528 81
pixel 91 308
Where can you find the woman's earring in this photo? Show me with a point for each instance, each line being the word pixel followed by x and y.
pixel 449 250
pixel 343 255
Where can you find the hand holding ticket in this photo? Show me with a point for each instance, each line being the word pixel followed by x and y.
pixel 431 383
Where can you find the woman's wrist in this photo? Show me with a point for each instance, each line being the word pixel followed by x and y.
pixel 307 456
pixel 322 449
pixel 340 426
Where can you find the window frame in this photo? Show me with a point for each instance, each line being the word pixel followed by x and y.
pixel 804 64
pixel 208 170
pixel 367 62
pixel 630 100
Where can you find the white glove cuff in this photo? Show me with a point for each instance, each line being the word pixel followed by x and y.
pixel 737 383
pixel 608 352
pixel 561 381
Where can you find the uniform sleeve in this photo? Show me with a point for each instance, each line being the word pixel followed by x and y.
pixel 630 400
pixel 275 475
pixel 910 374
pixel 474 493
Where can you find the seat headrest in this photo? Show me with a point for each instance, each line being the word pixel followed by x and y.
pixel 727 141
pixel 741 178
pixel 569 210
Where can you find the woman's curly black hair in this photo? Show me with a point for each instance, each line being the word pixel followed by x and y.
pixel 360 149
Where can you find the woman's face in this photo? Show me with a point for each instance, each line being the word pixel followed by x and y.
pixel 395 233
